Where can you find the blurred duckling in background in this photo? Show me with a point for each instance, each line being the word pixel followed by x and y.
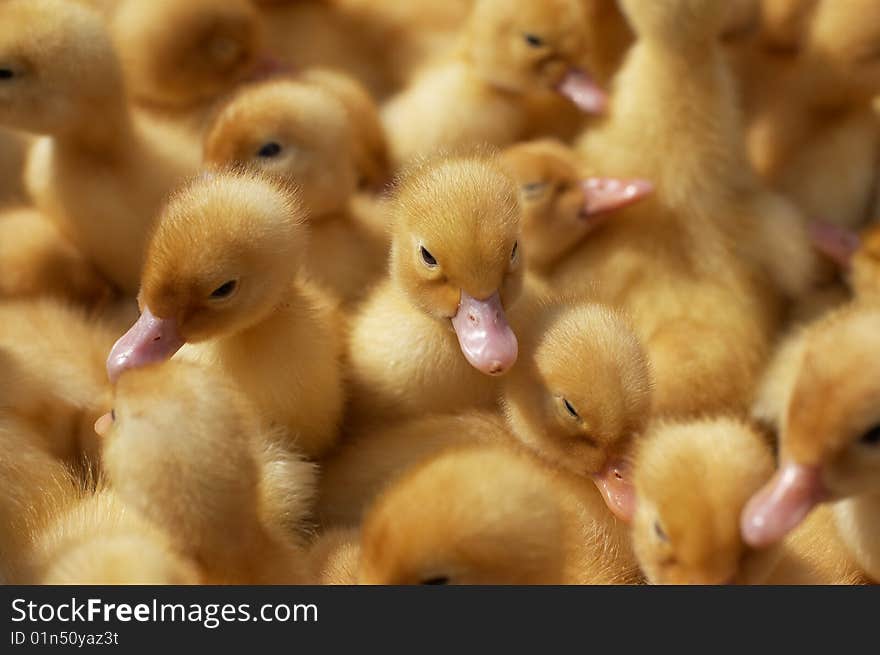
pixel 434 335
pixel 577 398
pixel 824 403
pixel 479 93
pixel 505 519
pixel 185 448
pixel 37 260
pixel 180 58
pixel 95 174
pixel 303 134
pixel 220 282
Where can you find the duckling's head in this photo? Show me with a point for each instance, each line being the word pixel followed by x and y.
pixel 474 516
pixel 456 252
pixel 844 39
pixel 57 66
pixel 692 481
pixel 830 432
pixel 561 205
pixel 177 447
pixel 177 54
pixel 581 394
pixel 293 131
pixel 221 258
pixel 370 144
pixel 533 45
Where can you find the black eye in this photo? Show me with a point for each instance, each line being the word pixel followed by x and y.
pixel 224 290
pixel 570 408
pixel 6 74
pixel 514 251
pixel 872 436
pixel 659 531
pixel 113 414
pixel 437 580
pixel 269 150
pixel 427 257
pixel 533 40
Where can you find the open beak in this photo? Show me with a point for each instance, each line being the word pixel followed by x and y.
pixel 485 337
pixel 606 194
pixel 151 339
pixel 614 482
pixel 782 504
pixel 580 87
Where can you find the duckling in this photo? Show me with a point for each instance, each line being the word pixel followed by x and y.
pixel 180 57
pixel 434 335
pixel 36 260
pixel 178 431
pixel 334 557
pixel 94 175
pixel 828 436
pixel 235 303
pixel 579 395
pixel 480 93
pixel 504 519
pixel 302 134
pixel 52 374
pixel 707 312
pixel 692 481
pixel 561 205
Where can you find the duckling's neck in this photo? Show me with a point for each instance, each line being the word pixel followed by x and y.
pixel 104 128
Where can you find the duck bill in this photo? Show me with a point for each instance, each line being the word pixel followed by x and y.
pixel 485 337
pixel 151 339
pixel 580 87
pixel 780 506
pixel 606 194
pixel 103 424
pixel 615 484
pixel 837 243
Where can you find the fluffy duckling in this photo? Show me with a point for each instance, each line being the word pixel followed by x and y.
pixel 828 426
pixel 810 109
pixel 184 447
pixel 180 57
pixel 578 396
pixel 562 205
pixel 220 283
pixel 52 373
pixel 696 265
pixel 334 558
pixel 36 260
pixel 501 518
pixel 302 134
pixel 95 174
pixel 508 51
pixel 692 481
pixel 433 336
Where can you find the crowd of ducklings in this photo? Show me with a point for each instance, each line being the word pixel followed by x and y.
pixel 439 292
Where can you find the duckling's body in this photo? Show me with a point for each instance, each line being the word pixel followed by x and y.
pixel 505 519
pixel 238 307
pixel 454 272
pixel 183 442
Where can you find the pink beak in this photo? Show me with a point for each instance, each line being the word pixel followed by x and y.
pixel 836 243
pixel 579 87
pixel 149 340
pixel 616 488
pixel 606 194
pixel 484 335
pixel 782 504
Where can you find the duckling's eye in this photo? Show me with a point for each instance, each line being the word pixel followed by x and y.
pixel 113 414
pixel 871 437
pixel 570 408
pixel 438 580
pixel 534 190
pixel 515 251
pixel 658 530
pixel 224 290
pixel 534 40
pixel 6 74
pixel 427 257
pixel 269 150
